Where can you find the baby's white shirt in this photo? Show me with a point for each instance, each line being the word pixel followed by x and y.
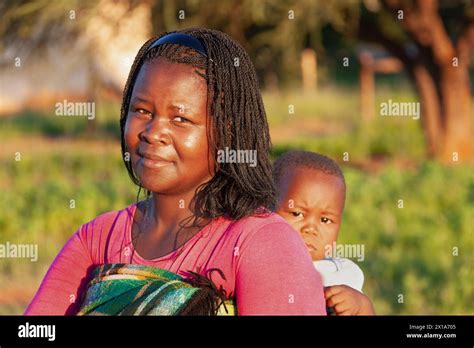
pixel 340 271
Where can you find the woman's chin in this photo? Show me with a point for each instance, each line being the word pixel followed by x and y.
pixel 158 187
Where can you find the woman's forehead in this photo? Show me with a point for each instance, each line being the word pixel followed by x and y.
pixel 165 79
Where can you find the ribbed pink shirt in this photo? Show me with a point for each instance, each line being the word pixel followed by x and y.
pixel 265 262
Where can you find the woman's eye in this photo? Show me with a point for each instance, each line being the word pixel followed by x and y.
pixel 325 220
pixel 296 213
pixel 143 112
pixel 181 119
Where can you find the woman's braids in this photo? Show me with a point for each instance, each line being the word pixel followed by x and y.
pixel 236 121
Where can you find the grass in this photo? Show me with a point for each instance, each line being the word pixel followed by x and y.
pixel 46 123
pixel 422 251
pixel 409 251
pixel 329 122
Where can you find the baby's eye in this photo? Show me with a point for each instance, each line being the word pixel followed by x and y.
pixel 181 119
pixel 325 220
pixel 296 213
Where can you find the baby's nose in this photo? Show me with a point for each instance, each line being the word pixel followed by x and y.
pixel 308 229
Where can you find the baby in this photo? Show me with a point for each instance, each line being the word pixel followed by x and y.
pixel 311 194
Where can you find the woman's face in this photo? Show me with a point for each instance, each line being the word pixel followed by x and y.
pixel 166 128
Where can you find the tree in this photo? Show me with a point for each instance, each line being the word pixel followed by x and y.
pixel 274 33
pixel 415 32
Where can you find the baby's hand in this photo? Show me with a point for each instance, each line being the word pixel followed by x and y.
pixel 347 301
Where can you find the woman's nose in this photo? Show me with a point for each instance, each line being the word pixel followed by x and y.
pixel 157 131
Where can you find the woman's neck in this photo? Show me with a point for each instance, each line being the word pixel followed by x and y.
pixel 165 214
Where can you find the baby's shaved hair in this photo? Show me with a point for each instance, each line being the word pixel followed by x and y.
pixel 296 159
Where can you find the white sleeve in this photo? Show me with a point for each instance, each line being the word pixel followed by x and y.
pixel 340 271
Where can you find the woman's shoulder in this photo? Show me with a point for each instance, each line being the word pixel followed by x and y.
pixel 268 242
pixel 263 226
pixel 258 220
pixel 110 220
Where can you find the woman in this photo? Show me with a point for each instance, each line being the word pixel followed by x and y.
pixel 204 235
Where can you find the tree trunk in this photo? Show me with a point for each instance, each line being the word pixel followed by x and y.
pixel 430 109
pixel 456 99
pixel 454 87
pixel 367 86
pixel 442 80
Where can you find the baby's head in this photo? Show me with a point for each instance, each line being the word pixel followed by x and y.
pixel 311 193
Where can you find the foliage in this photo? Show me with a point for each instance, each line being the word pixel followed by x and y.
pixel 408 251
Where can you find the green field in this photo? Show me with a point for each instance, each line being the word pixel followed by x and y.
pixel 408 251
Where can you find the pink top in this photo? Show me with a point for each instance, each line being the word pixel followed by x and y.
pixel 264 260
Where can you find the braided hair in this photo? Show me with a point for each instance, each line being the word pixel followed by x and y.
pixel 236 120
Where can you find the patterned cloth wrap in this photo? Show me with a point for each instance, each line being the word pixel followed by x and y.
pixel 127 289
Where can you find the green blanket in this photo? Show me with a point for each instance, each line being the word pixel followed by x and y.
pixel 127 289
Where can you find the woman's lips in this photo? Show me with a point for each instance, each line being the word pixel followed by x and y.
pixel 153 163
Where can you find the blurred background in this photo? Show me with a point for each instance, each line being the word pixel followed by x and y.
pixel 325 69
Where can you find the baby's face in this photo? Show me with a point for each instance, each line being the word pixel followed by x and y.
pixel 312 202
